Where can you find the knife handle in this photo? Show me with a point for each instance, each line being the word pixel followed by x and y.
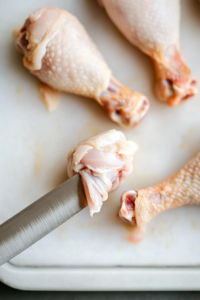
pixel 40 218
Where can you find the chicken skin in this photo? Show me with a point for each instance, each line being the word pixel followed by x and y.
pixel 58 50
pixel 139 207
pixel 103 162
pixel 153 27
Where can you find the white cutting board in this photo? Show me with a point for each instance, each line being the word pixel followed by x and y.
pixel 34 145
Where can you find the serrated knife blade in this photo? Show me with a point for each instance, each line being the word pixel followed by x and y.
pixel 40 218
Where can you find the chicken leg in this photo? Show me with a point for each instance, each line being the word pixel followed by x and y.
pixel 103 162
pixel 153 27
pixel 139 207
pixel 60 53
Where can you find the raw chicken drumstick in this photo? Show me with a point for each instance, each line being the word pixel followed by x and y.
pixel 139 207
pixel 153 27
pixel 103 161
pixel 60 53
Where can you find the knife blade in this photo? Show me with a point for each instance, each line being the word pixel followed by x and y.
pixel 40 218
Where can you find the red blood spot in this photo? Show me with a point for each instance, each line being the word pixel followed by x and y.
pixel 145 102
pixel 118 112
pixel 186 97
pixel 143 106
pixel 193 83
pixel 169 82
pixel 130 202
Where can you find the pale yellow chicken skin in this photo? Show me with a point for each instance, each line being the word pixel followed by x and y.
pixel 139 207
pixel 153 27
pixel 58 50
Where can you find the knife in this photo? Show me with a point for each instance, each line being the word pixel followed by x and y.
pixel 40 218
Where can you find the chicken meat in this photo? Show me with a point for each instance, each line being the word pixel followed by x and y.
pixel 139 207
pixel 103 162
pixel 153 27
pixel 58 50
